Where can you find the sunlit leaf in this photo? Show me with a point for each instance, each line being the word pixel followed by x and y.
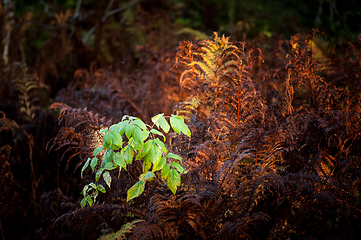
pixel 160 164
pixel 128 154
pixel 175 156
pixel 93 185
pixel 165 171
pixel 98 150
pixel 110 166
pixel 154 131
pixel 86 164
pixel 93 163
pixel 112 139
pixel 119 161
pixel 178 167
pixel 107 157
pixel 129 130
pixel 173 180
pixel 136 190
pixel 83 202
pixel 148 176
pixel 146 164
pixel 107 178
pixel 140 124
pixel 154 154
pixel 139 135
pixel 160 122
pixel 101 188
pixel 85 189
pixel 179 126
pixel 135 145
pixel 146 149
pixel 98 174
pixel 161 145
pixel 89 200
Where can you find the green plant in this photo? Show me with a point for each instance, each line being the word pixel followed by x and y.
pixel 131 139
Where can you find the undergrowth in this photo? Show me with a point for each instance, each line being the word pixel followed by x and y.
pixel 275 146
pixel 274 151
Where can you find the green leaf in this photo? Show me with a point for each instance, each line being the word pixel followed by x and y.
pixel 160 122
pixel 107 157
pixel 179 126
pixel 129 130
pixel 107 178
pixel 98 174
pixel 135 190
pixel 93 185
pixel 136 145
pixel 119 161
pixel 112 139
pixel 146 164
pixel 175 156
pixel 86 164
pixel 110 166
pixel 83 202
pixel 119 128
pixel 85 189
pixel 178 167
pixel 98 150
pixel 160 165
pixel 165 171
pixel 93 163
pixel 89 200
pixel 173 180
pixel 146 149
pixel 140 124
pixel 128 154
pixel 148 176
pixel 161 145
pixel 101 188
pixel 139 135
pixel 154 154
pixel 154 131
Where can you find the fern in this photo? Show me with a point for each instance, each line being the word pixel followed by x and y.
pixel 28 88
pixel 121 233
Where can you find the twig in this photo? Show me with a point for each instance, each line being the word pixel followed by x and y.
pixel 107 14
pixel 77 8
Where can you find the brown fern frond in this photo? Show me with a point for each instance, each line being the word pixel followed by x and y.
pixel 79 133
pixel 173 217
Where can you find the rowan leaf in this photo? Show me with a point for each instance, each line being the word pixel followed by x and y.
pixel 165 171
pixel 178 167
pixel 119 161
pixel 129 130
pixel 112 139
pixel 101 188
pixel 154 154
pixel 136 190
pixel 173 180
pixel 93 163
pixel 86 164
pixel 139 135
pixel 98 150
pixel 83 202
pixel 179 126
pixel 160 122
pixel 175 156
pixel 140 124
pixel 154 131
pixel 160 164
pixel 107 178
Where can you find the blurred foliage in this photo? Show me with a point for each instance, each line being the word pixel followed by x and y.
pixel 240 19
